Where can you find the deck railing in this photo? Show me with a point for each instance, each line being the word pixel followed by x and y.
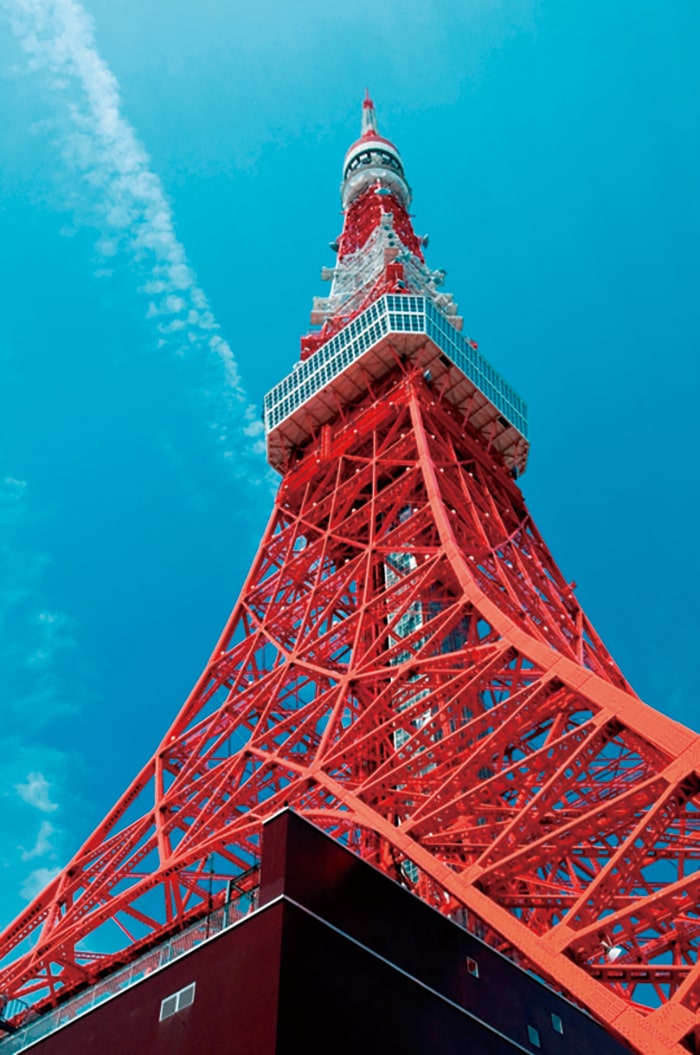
pixel 35 1029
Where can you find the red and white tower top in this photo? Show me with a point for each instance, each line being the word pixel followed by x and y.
pixel 370 158
pixel 378 250
pixel 385 303
pixel 374 184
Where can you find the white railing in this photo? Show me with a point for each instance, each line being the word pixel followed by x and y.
pixel 38 1028
pixel 392 313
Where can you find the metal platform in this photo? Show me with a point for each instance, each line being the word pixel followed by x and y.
pixel 394 328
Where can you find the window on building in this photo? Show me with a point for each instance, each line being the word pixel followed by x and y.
pixel 557 1024
pixel 533 1036
pixel 472 967
pixel 177 1001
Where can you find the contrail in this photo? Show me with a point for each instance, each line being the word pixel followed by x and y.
pixel 58 37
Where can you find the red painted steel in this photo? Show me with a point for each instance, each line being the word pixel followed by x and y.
pixel 364 215
pixel 407 667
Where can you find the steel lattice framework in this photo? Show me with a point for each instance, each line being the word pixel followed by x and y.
pixel 407 667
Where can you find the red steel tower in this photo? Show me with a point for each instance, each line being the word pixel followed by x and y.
pixel 407 668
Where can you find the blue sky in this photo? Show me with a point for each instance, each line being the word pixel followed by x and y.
pixel 168 189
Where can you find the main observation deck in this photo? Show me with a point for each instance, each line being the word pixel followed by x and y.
pixel 396 327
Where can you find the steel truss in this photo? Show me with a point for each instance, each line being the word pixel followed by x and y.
pixel 407 668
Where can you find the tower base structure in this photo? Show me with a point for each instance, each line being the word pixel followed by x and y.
pixel 334 957
pixel 407 669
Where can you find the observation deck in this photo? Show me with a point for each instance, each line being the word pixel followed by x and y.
pixel 395 328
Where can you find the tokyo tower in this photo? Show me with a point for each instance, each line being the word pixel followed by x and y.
pixel 407 669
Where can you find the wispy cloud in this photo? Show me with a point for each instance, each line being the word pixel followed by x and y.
pixel 31 636
pixel 36 881
pixel 37 650
pixel 134 214
pixel 42 844
pixel 36 792
pixel 125 200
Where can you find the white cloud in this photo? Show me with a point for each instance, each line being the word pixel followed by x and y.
pixel 11 496
pixel 35 882
pixel 36 793
pixel 38 651
pixel 42 844
pixel 134 213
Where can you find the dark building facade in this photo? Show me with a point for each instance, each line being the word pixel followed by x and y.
pixel 336 958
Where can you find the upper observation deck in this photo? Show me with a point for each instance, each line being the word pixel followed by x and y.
pixel 395 328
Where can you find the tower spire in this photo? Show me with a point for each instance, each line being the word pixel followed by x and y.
pixel 378 250
pixel 373 159
pixel 369 115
